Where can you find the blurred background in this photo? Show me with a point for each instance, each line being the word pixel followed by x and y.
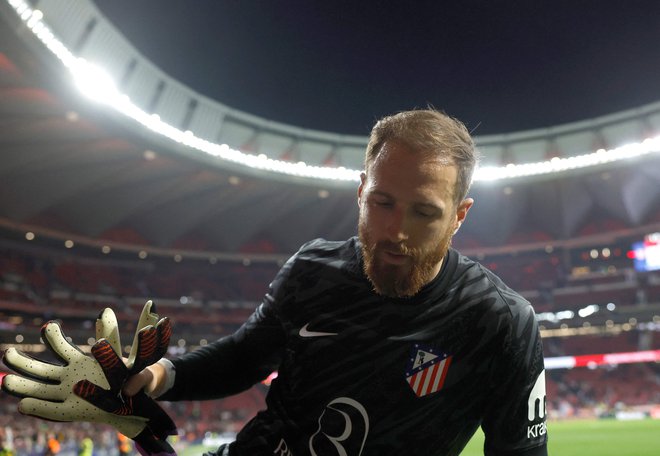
pixel 182 151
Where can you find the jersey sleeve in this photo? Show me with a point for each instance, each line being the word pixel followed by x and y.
pixel 236 362
pixel 515 422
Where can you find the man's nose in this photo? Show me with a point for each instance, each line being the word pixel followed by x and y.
pixel 397 228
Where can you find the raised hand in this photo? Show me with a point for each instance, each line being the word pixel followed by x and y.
pixel 46 389
pixel 152 439
pixel 84 388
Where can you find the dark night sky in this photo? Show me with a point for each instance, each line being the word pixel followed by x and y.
pixel 338 65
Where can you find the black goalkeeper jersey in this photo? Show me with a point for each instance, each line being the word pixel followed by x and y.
pixel 365 375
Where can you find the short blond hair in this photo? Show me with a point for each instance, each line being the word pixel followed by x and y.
pixel 430 131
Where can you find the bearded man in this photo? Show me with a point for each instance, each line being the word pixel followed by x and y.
pixel 391 342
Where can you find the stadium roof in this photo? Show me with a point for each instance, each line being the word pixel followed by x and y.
pixel 76 169
pixel 339 65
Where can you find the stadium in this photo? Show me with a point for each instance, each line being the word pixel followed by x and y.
pixel 119 183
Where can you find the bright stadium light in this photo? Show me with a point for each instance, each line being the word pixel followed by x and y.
pixel 555 316
pixel 589 310
pixel 556 164
pixel 94 82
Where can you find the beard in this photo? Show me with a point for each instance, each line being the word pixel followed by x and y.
pixel 400 280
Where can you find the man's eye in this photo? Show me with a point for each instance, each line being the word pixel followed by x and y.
pixel 427 212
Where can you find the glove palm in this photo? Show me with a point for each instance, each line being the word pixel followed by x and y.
pixel 47 389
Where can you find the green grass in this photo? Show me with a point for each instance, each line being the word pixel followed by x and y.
pixel 593 437
pixel 574 438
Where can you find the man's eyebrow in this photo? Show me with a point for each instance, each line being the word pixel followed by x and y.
pixel 431 206
pixel 419 204
pixel 381 193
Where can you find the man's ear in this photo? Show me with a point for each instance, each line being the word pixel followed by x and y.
pixel 363 180
pixel 461 212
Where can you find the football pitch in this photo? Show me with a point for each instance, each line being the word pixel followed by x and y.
pixel 593 437
pixel 574 438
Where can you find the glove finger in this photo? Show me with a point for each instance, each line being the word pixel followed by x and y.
pixel 113 367
pixel 108 328
pixel 160 422
pixel 79 410
pixel 152 344
pixel 31 367
pixel 164 328
pixel 53 411
pixel 54 338
pixel 25 387
pixel 147 339
pixel 148 317
pixel 147 444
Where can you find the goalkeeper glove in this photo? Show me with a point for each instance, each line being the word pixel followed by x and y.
pixel 48 389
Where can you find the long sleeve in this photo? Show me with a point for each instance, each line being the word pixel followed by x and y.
pixel 515 423
pixel 234 363
pixel 231 364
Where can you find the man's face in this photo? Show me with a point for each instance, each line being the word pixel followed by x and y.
pixel 407 218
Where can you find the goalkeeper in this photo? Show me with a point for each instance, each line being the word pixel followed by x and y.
pixel 392 342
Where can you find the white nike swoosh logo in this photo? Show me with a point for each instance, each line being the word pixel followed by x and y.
pixel 305 333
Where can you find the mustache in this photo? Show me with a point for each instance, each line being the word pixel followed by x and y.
pixel 397 248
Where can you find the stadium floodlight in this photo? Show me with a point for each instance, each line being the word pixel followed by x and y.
pixel 557 165
pixel 95 83
pixel 555 316
pixel 589 310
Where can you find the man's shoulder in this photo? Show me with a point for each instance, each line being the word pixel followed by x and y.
pixel 324 251
pixel 318 268
pixel 479 280
pixel 319 259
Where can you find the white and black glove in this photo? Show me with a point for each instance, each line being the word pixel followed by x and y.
pixel 88 388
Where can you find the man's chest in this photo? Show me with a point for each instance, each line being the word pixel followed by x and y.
pixel 383 353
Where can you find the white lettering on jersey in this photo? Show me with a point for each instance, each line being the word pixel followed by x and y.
pixel 536 430
pixel 282 449
pixel 351 441
pixel 537 394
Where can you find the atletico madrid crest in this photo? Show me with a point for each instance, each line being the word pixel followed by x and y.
pixel 427 369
